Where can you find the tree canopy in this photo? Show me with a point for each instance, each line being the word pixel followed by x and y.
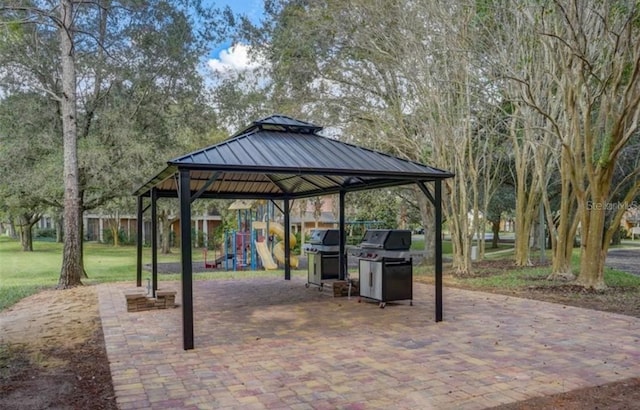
pixel 95 96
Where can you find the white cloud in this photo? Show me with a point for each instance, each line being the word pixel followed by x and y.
pixel 235 58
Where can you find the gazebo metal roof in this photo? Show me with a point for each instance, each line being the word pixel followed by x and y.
pixel 278 158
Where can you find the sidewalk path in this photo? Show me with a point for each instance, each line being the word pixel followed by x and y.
pixel 624 259
pixel 273 344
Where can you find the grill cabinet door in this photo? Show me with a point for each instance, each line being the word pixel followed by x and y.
pixel 330 266
pixel 312 268
pixel 398 280
pixel 371 279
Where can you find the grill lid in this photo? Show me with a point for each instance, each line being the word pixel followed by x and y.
pixel 328 237
pixel 388 239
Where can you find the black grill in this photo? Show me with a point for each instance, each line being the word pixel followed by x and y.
pixel 388 239
pixel 377 244
pixel 323 240
pixel 323 256
pixel 385 265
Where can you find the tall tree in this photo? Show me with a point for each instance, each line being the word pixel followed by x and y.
pixel 371 68
pixel 72 269
pixel 501 202
pixel 29 150
pixel 588 91
pixel 109 53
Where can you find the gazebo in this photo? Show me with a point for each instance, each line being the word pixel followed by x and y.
pixel 279 158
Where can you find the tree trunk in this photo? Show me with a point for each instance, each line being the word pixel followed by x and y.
pixel 165 245
pixel 81 235
pixel 616 238
pixel 114 234
pixel 460 232
pixel 428 216
pixel 27 220
pixel 593 252
pixel 12 229
pixel 26 234
pixel 495 228
pixel 71 270
pixel 565 232
pixel 527 184
pixel 59 229
pixel 317 210
pixel 302 207
pixel 522 231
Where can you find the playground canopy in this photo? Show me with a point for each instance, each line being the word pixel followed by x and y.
pixel 280 158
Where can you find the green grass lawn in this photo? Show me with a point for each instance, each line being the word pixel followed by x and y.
pixel 418 245
pixel 513 278
pixel 25 273
pixel 516 279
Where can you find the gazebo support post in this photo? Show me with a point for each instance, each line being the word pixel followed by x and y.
pixel 287 241
pixel 438 238
pixel 187 267
pixel 140 240
pixel 154 241
pixel 342 260
pixel 437 203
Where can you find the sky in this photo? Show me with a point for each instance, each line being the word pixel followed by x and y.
pixel 227 56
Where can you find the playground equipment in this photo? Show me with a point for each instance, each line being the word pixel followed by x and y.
pixel 248 247
pixel 265 256
pixel 211 263
pixel 277 230
pixel 239 250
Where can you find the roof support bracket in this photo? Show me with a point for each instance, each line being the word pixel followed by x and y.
pixel 426 192
pixel 276 205
pixel 207 184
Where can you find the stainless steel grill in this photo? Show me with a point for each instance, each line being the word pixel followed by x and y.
pixel 323 240
pixel 377 244
pixel 385 265
pixel 323 256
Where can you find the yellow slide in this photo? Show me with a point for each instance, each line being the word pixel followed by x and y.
pixel 277 229
pixel 278 250
pixel 265 256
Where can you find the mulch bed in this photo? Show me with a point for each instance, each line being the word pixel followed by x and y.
pixel 83 382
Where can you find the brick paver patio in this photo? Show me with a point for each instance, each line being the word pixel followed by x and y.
pixel 274 344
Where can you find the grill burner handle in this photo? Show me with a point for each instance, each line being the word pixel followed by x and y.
pixel 389 263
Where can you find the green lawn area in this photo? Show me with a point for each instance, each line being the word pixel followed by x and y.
pixel 522 278
pixel 417 244
pixel 488 277
pixel 25 273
